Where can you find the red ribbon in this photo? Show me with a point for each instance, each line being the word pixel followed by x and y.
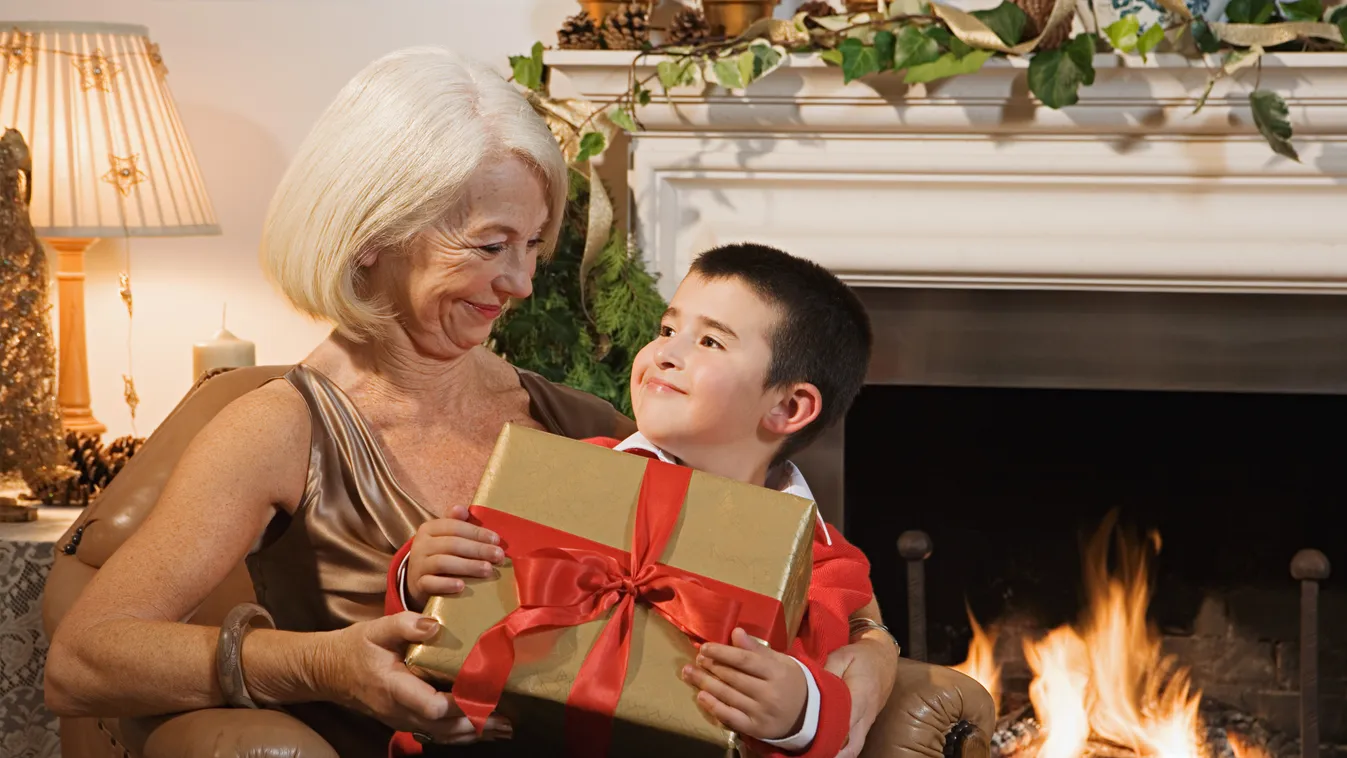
pixel 564 580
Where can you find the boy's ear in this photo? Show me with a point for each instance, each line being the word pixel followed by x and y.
pixel 798 408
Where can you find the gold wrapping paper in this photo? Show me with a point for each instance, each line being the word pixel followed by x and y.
pixel 747 536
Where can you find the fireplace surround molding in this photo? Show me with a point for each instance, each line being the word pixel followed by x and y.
pixel 970 183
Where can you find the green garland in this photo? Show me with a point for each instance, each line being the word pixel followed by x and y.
pixel 587 343
pixel 928 41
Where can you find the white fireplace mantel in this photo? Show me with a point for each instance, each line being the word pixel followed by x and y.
pixel 970 183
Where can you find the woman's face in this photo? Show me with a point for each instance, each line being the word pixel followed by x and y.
pixel 458 276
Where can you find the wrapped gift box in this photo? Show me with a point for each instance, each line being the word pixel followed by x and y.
pixel 578 495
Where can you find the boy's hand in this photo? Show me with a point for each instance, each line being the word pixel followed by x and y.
pixel 444 549
pixel 750 687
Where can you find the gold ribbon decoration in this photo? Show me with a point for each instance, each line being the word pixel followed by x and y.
pixel 970 30
pixel 1178 8
pixel 568 118
pixel 599 226
pixel 778 31
pixel 565 119
pixel 1268 35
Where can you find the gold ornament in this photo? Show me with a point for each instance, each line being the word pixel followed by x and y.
pixel 129 393
pixel 157 60
pixel 124 173
pixel 96 71
pixel 124 289
pixel 18 50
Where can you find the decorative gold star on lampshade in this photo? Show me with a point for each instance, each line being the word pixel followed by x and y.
pixel 124 173
pixel 18 51
pixel 96 71
pixel 110 159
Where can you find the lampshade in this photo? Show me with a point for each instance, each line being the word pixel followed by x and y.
pixel 110 155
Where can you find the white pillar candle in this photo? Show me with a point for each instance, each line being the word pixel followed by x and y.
pixel 224 350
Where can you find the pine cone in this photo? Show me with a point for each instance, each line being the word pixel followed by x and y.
pixel 1038 12
pixel 689 27
pixel 119 452
pixel 92 468
pixel 579 32
pixel 626 28
pixel 818 8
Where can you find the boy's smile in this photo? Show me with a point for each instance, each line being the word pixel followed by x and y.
pixel 655 384
pixel 698 390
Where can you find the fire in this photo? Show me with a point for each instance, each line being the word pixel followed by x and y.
pixel 1243 749
pixel 981 663
pixel 1103 682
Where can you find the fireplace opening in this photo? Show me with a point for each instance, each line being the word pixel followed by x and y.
pixel 1009 482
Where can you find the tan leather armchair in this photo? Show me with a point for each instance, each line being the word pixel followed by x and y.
pixel 922 718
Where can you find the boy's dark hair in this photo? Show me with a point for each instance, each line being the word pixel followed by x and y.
pixel 823 336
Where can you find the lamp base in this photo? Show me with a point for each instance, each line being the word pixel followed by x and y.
pixel 81 420
pixel 72 383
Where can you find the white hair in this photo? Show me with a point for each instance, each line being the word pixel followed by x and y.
pixel 386 160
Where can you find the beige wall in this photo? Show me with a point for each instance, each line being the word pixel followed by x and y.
pixel 249 77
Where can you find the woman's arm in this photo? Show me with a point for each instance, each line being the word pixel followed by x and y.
pixel 121 649
pixel 868 666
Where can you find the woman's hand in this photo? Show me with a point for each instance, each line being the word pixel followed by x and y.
pixel 361 667
pixel 868 666
pixel 445 549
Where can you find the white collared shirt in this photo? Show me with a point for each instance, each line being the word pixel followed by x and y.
pixel 791 482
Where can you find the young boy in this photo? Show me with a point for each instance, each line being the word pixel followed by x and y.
pixel 758 353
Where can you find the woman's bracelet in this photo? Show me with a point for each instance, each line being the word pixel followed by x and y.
pixel 229 652
pixel 860 625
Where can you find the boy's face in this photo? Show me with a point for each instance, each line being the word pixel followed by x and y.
pixel 700 384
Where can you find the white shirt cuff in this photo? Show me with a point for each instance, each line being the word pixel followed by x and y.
pixel 802 739
pixel 402 581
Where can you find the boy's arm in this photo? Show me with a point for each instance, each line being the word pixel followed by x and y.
pixel 827 718
pixel 839 586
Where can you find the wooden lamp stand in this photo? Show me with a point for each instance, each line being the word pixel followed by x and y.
pixel 72 385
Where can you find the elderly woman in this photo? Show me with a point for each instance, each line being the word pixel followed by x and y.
pixel 414 212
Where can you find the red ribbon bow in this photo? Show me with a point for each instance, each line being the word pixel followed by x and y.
pixel 564 580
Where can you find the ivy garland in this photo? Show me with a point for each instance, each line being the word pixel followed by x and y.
pixel 925 42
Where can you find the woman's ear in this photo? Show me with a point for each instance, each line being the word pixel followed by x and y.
pixel 798 407
pixel 367 257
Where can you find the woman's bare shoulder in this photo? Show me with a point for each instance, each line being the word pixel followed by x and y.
pixel 275 407
pixel 265 431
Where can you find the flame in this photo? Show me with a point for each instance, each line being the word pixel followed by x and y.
pixel 981 664
pixel 1103 680
pixel 1243 749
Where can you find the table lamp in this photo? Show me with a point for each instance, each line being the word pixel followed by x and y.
pixel 110 158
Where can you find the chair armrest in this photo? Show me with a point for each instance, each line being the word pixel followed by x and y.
pixel 924 712
pixel 222 733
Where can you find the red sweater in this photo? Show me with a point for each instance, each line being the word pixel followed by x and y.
pixel 838 587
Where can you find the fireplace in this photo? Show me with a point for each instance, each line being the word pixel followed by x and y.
pixel 1119 305
pixel 1008 425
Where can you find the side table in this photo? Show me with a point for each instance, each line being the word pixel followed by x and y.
pixel 27 550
